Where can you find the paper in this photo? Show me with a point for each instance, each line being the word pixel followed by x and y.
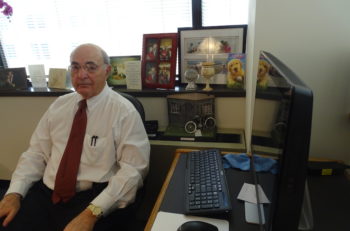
pixel 252 214
pixel 172 221
pixel 133 75
pixel 69 81
pixel 57 78
pixel 198 133
pixel 37 76
pixel 248 193
pixel 36 70
pixel 38 81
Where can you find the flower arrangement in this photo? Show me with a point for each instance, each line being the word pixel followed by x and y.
pixel 6 8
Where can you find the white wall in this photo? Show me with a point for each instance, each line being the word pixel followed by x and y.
pixel 313 38
pixel 251 73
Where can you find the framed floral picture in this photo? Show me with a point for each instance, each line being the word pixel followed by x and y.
pixel 209 44
pixel 118 75
pixel 158 64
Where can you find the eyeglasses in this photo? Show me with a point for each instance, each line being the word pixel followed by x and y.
pixel 88 67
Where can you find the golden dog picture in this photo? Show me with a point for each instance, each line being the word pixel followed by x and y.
pixel 263 74
pixel 236 70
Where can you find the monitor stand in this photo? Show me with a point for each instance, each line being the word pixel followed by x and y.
pixel 306 221
pixel 252 214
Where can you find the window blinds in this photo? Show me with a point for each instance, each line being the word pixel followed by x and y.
pixel 46 31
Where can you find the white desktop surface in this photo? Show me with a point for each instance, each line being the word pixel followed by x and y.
pixel 172 221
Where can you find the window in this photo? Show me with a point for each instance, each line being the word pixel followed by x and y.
pixel 46 31
pixel 207 109
pixel 224 12
pixel 175 108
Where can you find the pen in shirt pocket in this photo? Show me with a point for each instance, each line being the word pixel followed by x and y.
pixel 93 140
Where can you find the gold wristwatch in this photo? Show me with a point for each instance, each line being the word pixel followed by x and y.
pixel 96 211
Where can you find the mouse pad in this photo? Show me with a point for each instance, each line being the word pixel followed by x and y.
pixel 172 221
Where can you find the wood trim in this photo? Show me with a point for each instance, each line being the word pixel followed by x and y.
pixel 166 182
pixel 161 194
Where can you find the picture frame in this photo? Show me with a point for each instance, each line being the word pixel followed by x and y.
pixel 13 78
pixel 193 49
pixel 57 78
pixel 118 74
pixel 158 63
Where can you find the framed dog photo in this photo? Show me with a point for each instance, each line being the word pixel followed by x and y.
pixel 118 74
pixel 236 66
pixel 158 63
pixel 13 78
pixel 209 44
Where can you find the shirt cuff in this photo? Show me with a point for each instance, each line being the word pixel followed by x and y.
pixel 107 203
pixel 18 187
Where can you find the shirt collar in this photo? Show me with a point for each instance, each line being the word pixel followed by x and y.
pixel 91 102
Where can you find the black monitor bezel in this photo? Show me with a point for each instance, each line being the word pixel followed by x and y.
pixel 287 198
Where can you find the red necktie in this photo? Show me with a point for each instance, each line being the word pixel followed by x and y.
pixel 66 177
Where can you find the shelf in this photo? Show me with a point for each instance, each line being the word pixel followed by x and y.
pixel 218 91
pixel 226 139
pixel 35 92
pixel 237 147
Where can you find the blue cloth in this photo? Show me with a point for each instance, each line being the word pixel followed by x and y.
pixel 264 164
pixel 242 162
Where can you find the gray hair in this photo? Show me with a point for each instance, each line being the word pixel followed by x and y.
pixel 105 57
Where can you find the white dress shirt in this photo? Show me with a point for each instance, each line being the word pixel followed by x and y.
pixel 119 155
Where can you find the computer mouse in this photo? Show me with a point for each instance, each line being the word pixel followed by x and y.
pixel 197 226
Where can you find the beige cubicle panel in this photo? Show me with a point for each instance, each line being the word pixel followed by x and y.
pixel 18 119
pixel 20 114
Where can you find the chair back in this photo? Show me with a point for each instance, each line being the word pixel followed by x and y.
pixel 137 104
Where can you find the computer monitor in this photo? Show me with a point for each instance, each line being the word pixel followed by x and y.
pixel 281 131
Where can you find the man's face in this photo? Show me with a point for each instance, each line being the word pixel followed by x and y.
pixel 89 72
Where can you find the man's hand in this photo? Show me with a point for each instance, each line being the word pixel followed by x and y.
pixel 9 207
pixel 85 221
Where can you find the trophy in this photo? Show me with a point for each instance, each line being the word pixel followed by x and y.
pixel 191 75
pixel 209 46
pixel 207 72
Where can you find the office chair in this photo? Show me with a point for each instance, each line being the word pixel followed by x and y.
pixel 137 104
pixel 132 218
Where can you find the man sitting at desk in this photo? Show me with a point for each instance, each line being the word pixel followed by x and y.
pixel 87 157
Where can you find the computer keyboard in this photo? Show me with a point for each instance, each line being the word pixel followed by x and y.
pixel 205 179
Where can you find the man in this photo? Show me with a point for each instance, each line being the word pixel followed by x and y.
pixel 113 163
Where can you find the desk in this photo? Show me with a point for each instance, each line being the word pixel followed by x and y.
pixel 329 198
pixel 170 198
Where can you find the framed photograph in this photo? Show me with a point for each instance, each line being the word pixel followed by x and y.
pixel 118 74
pixel 159 60
pixel 57 78
pixel 209 44
pixel 13 78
